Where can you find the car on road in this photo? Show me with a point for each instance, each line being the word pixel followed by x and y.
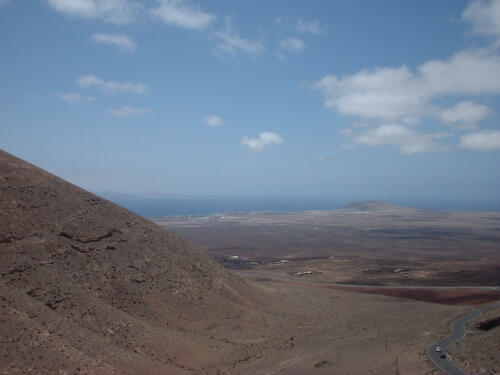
pixel 443 356
pixel 439 349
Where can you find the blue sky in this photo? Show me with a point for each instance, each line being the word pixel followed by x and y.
pixel 388 100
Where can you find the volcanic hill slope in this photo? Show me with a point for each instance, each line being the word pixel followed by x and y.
pixel 89 287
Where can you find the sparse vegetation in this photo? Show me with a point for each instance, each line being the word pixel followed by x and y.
pixel 323 363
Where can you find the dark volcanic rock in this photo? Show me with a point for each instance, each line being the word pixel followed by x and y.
pixel 89 287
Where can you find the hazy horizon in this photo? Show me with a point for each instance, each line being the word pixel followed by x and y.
pixel 199 206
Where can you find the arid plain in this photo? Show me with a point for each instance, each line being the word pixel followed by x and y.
pixel 395 256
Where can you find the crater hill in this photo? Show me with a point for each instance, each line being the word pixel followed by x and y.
pixel 375 206
pixel 89 287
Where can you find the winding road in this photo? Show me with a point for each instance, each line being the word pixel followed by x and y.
pixel 457 333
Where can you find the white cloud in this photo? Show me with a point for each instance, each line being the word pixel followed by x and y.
pixel 115 11
pixel 311 27
pixel 411 120
pixel 123 42
pixel 289 45
pixel 111 86
pixel 484 15
pixel 472 72
pixel 398 93
pixel 407 140
pixel 73 97
pixel 172 12
pixel 397 98
pixel 292 44
pixel 228 41
pixel 380 93
pixel 265 139
pixel 127 111
pixel 181 13
pixel 212 120
pixel 485 140
pixel 360 124
pixel 465 115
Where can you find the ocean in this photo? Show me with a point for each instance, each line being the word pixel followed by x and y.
pixel 212 206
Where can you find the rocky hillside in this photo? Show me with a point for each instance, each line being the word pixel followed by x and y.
pixel 89 287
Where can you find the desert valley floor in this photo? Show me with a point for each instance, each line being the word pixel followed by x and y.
pixel 394 256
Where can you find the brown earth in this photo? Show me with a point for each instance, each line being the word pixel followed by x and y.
pixel 87 287
pixel 454 296
pixel 366 243
pixel 445 296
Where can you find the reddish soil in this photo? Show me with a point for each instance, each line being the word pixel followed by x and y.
pixel 455 296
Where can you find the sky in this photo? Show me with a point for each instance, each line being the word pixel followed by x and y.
pixel 387 100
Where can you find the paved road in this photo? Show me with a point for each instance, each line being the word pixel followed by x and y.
pixel 457 333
